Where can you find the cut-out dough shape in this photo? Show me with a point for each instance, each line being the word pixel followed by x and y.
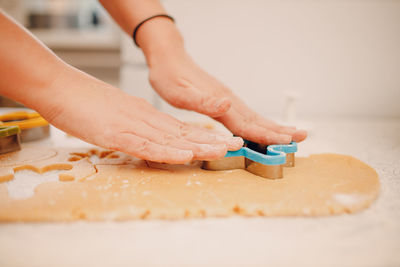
pixel 41 160
pixel 322 184
pixel 102 157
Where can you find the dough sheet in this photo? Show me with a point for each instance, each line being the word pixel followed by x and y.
pixel 104 185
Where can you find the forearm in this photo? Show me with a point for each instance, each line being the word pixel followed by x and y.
pixel 33 75
pixel 158 37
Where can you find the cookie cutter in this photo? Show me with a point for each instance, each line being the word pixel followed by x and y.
pixel 33 126
pixel 264 161
pixel 288 149
pixel 9 139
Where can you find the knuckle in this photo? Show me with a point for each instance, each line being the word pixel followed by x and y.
pixel 143 146
pixel 250 118
pixel 179 102
pixel 166 139
pixel 204 101
pixel 183 82
pixel 184 130
pixel 116 141
pixel 142 102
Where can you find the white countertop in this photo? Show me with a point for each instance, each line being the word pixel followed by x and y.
pixel 369 238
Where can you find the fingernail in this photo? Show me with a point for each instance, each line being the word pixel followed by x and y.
pixel 304 132
pixel 214 147
pixel 299 135
pixel 286 138
pixel 186 153
pixel 235 143
pixel 290 130
pixel 220 103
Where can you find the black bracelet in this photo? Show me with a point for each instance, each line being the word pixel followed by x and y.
pixel 141 23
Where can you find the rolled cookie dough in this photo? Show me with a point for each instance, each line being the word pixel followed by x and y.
pixel 322 184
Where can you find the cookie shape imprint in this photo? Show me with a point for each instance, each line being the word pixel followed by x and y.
pixel 262 160
pixel 98 156
pixel 41 160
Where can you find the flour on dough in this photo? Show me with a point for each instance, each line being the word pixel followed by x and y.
pixel 24 183
pixel 123 188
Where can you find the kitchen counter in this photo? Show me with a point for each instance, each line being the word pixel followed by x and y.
pixel 368 238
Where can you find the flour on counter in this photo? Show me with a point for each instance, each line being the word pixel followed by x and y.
pixel 24 183
pixel 348 199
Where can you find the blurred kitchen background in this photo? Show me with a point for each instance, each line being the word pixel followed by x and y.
pixel 287 59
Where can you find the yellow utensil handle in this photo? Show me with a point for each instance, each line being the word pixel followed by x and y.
pixel 27 124
pixel 19 115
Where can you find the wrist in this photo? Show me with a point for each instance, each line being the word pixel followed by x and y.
pixel 36 86
pixel 160 39
pixel 54 93
pixel 70 89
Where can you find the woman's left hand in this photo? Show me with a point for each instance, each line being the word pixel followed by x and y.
pixel 182 83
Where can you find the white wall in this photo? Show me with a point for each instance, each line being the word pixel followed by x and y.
pixel 342 57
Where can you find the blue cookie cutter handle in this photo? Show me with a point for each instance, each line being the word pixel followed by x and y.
pixel 276 154
pixel 290 148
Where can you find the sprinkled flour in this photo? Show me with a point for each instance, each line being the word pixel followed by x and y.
pixel 24 183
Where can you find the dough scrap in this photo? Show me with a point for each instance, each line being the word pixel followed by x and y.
pixel 323 184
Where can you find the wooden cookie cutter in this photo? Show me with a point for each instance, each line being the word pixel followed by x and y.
pixel 264 161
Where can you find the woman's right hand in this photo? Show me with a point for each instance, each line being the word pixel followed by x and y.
pixel 105 116
pixel 95 111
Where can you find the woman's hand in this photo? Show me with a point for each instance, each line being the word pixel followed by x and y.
pixel 95 111
pixel 177 79
pixel 105 116
pixel 183 84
